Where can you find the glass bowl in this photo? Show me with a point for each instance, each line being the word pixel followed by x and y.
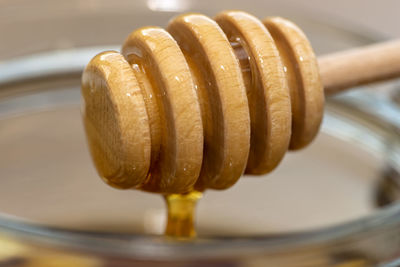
pixel 331 204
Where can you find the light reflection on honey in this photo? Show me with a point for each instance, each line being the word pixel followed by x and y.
pixel 181 212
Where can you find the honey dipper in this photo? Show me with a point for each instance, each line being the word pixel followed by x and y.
pixel 194 106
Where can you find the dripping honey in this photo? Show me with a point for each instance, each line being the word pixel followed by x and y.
pixel 181 214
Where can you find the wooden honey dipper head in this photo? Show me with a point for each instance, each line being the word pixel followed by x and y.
pixel 195 106
pixel 116 121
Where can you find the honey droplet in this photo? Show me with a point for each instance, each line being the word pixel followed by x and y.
pixel 181 210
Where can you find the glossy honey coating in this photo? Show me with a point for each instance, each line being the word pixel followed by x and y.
pixel 222 95
pixel 212 99
pixel 116 121
pixel 267 89
pixel 302 72
pixel 178 152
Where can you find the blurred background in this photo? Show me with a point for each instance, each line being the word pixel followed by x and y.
pixel 31 26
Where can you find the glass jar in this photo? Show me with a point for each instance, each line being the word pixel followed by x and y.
pixel 331 204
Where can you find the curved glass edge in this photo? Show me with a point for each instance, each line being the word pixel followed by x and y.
pixel 386 220
pixel 48 63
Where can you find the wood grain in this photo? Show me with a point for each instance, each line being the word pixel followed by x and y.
pixel 346 69
pixel 181 148
pixel 222 96
pixel 116 121
pixel 267 89
pixel 301 68
pixel 195 106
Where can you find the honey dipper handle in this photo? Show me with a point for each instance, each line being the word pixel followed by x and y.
pixel 358 66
